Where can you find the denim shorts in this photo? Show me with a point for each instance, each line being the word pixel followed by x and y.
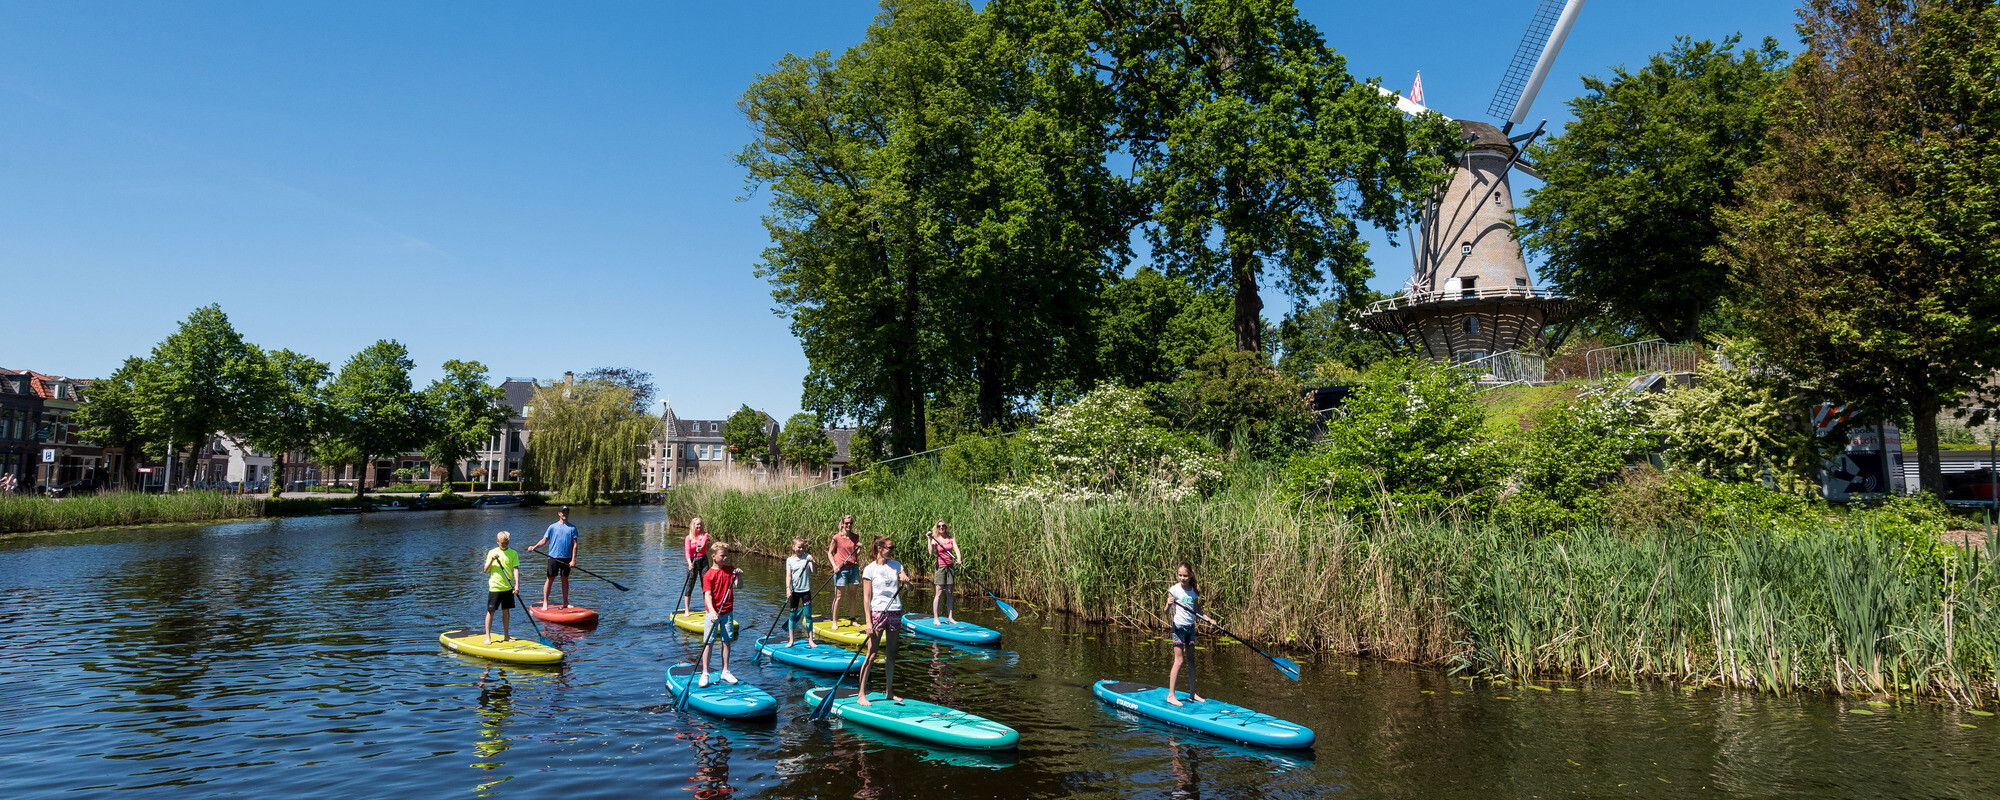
pixel 847 576
pixel 1184 635
pixel 719 627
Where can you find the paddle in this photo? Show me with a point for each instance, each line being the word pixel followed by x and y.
pixel 531 619
pixel 614 584
pixel 1005 608
pixel 786 612
pixel 1288 667
pixel 826 703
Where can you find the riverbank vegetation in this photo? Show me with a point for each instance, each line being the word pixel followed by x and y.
pixel 21 512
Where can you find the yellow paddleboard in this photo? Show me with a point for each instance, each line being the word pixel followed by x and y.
pixel 691 621
pixel 845 633
pixel 522 651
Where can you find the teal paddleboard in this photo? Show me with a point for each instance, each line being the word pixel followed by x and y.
pixel 916 719
pixel 734 700
pixel 1209 716
pixel 823 658
pixel 946 630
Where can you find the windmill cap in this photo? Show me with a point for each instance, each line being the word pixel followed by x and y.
pixel 1481 136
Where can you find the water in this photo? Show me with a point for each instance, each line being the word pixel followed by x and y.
pixel 299 657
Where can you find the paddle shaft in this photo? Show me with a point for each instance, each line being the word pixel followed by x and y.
pixel 826 704
pixel 1285 666
pixel 619 586
pixel 1006 609
pixel 531 617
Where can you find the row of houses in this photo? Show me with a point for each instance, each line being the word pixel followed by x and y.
pixel 41 448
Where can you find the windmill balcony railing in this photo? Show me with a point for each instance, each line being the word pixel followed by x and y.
pixel 1409 299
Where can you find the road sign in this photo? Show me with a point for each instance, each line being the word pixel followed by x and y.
pixel 145 469
pixel 48 455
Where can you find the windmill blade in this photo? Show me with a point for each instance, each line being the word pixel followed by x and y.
pixel 1406 105
pixel 1532 59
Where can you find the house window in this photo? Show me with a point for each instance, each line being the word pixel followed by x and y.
pixel 1467 287
pixel 1520 281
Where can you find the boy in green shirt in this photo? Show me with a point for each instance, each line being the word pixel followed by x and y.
pixel 503 572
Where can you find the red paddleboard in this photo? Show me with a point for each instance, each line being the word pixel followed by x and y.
pixel 567 615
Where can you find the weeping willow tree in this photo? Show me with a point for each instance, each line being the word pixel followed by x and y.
pixel 585 439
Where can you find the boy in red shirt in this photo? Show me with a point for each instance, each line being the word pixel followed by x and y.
pixel 718 595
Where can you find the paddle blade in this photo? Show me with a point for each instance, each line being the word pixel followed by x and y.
pixel 825 703
pixel 1287 666
pixel 1006 608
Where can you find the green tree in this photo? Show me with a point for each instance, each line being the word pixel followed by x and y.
pixel 746 436
pixel 1673 139
pixel 1324 339
pixel 372 409
pixel 296 416
pixel 1108 444
pixel 1256 148
pixel 586 439
pixel 110 415
pixel 938 217
pixel 1747 422
pixel 469 411
pixel 1866 244
pixel 1243 405
pixel 202 380
pixel 1564 462
pixel 1150 326
pixel 804 442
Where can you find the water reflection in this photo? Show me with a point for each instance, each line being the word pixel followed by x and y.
pixel 496 710
pixel 711 762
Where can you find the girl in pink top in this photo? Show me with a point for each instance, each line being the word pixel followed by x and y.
pixel 945 579
pixel 695 548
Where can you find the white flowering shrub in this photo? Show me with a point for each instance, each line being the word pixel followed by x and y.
pixel 1109 445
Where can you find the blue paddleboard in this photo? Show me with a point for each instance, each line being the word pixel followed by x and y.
pixel 734 700
pixel 965 632
pixel 1211 716
pixel 919 720
pixel 824 658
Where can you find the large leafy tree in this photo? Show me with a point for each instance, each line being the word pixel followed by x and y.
pixel 1261 156
pixel 110 414
pixel 296 416
pixel 638 382
pixel 587 438
pixel 1867 243
pixel 373 410
pixel 202 380
pixel 1151 326
pixel 744 432
pixel 1627 215
pixel 940 216
pixel 469 410
pixel 804 442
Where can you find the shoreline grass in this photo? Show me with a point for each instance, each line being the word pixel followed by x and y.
pixel 30 513
pixel 1838 609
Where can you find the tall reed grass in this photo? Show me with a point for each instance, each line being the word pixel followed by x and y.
pixel 20 513
pixel 1835 609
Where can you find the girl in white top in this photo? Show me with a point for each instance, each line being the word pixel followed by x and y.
pixel 882 582
pixel 1184 602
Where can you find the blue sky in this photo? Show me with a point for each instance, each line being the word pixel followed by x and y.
pixel 540 187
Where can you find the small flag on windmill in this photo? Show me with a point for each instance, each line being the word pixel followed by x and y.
pixel 1417 91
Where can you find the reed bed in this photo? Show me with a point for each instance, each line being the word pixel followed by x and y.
pixel 1837 609
pixel 21 513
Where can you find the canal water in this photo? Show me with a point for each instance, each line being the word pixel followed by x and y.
pixel 299 657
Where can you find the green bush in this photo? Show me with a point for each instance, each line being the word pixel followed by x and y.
pixel 1411 434
pixel 1109 445
pixel 1242 405
pixel 1563 463
pixel 985 456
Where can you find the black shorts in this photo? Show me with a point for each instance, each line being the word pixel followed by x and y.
pixel 559 567
pixel 499 600
pixel 797 599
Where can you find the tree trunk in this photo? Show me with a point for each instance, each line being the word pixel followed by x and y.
pixel 1930 466
pixel 992 377
pixel 1243 269
pixel 278 474
pixel 361 476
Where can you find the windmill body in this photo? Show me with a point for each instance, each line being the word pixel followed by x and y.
pixel 1471 298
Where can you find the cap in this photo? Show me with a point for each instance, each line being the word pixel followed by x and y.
pixel 563 510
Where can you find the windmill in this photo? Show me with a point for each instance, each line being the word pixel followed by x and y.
pixel 1471 298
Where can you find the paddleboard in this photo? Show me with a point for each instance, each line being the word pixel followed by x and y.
pixel 963 632
pixel 844 633
pixel 520 651
pixel 734 700
pixel 916 719
pixel 824 658
pixel 1211 716
pixel 691 621
pixel 567 615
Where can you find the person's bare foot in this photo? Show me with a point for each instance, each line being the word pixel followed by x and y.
pixel 489 640
pixel 1197 698
pixel 862 700
pixel 1173 701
